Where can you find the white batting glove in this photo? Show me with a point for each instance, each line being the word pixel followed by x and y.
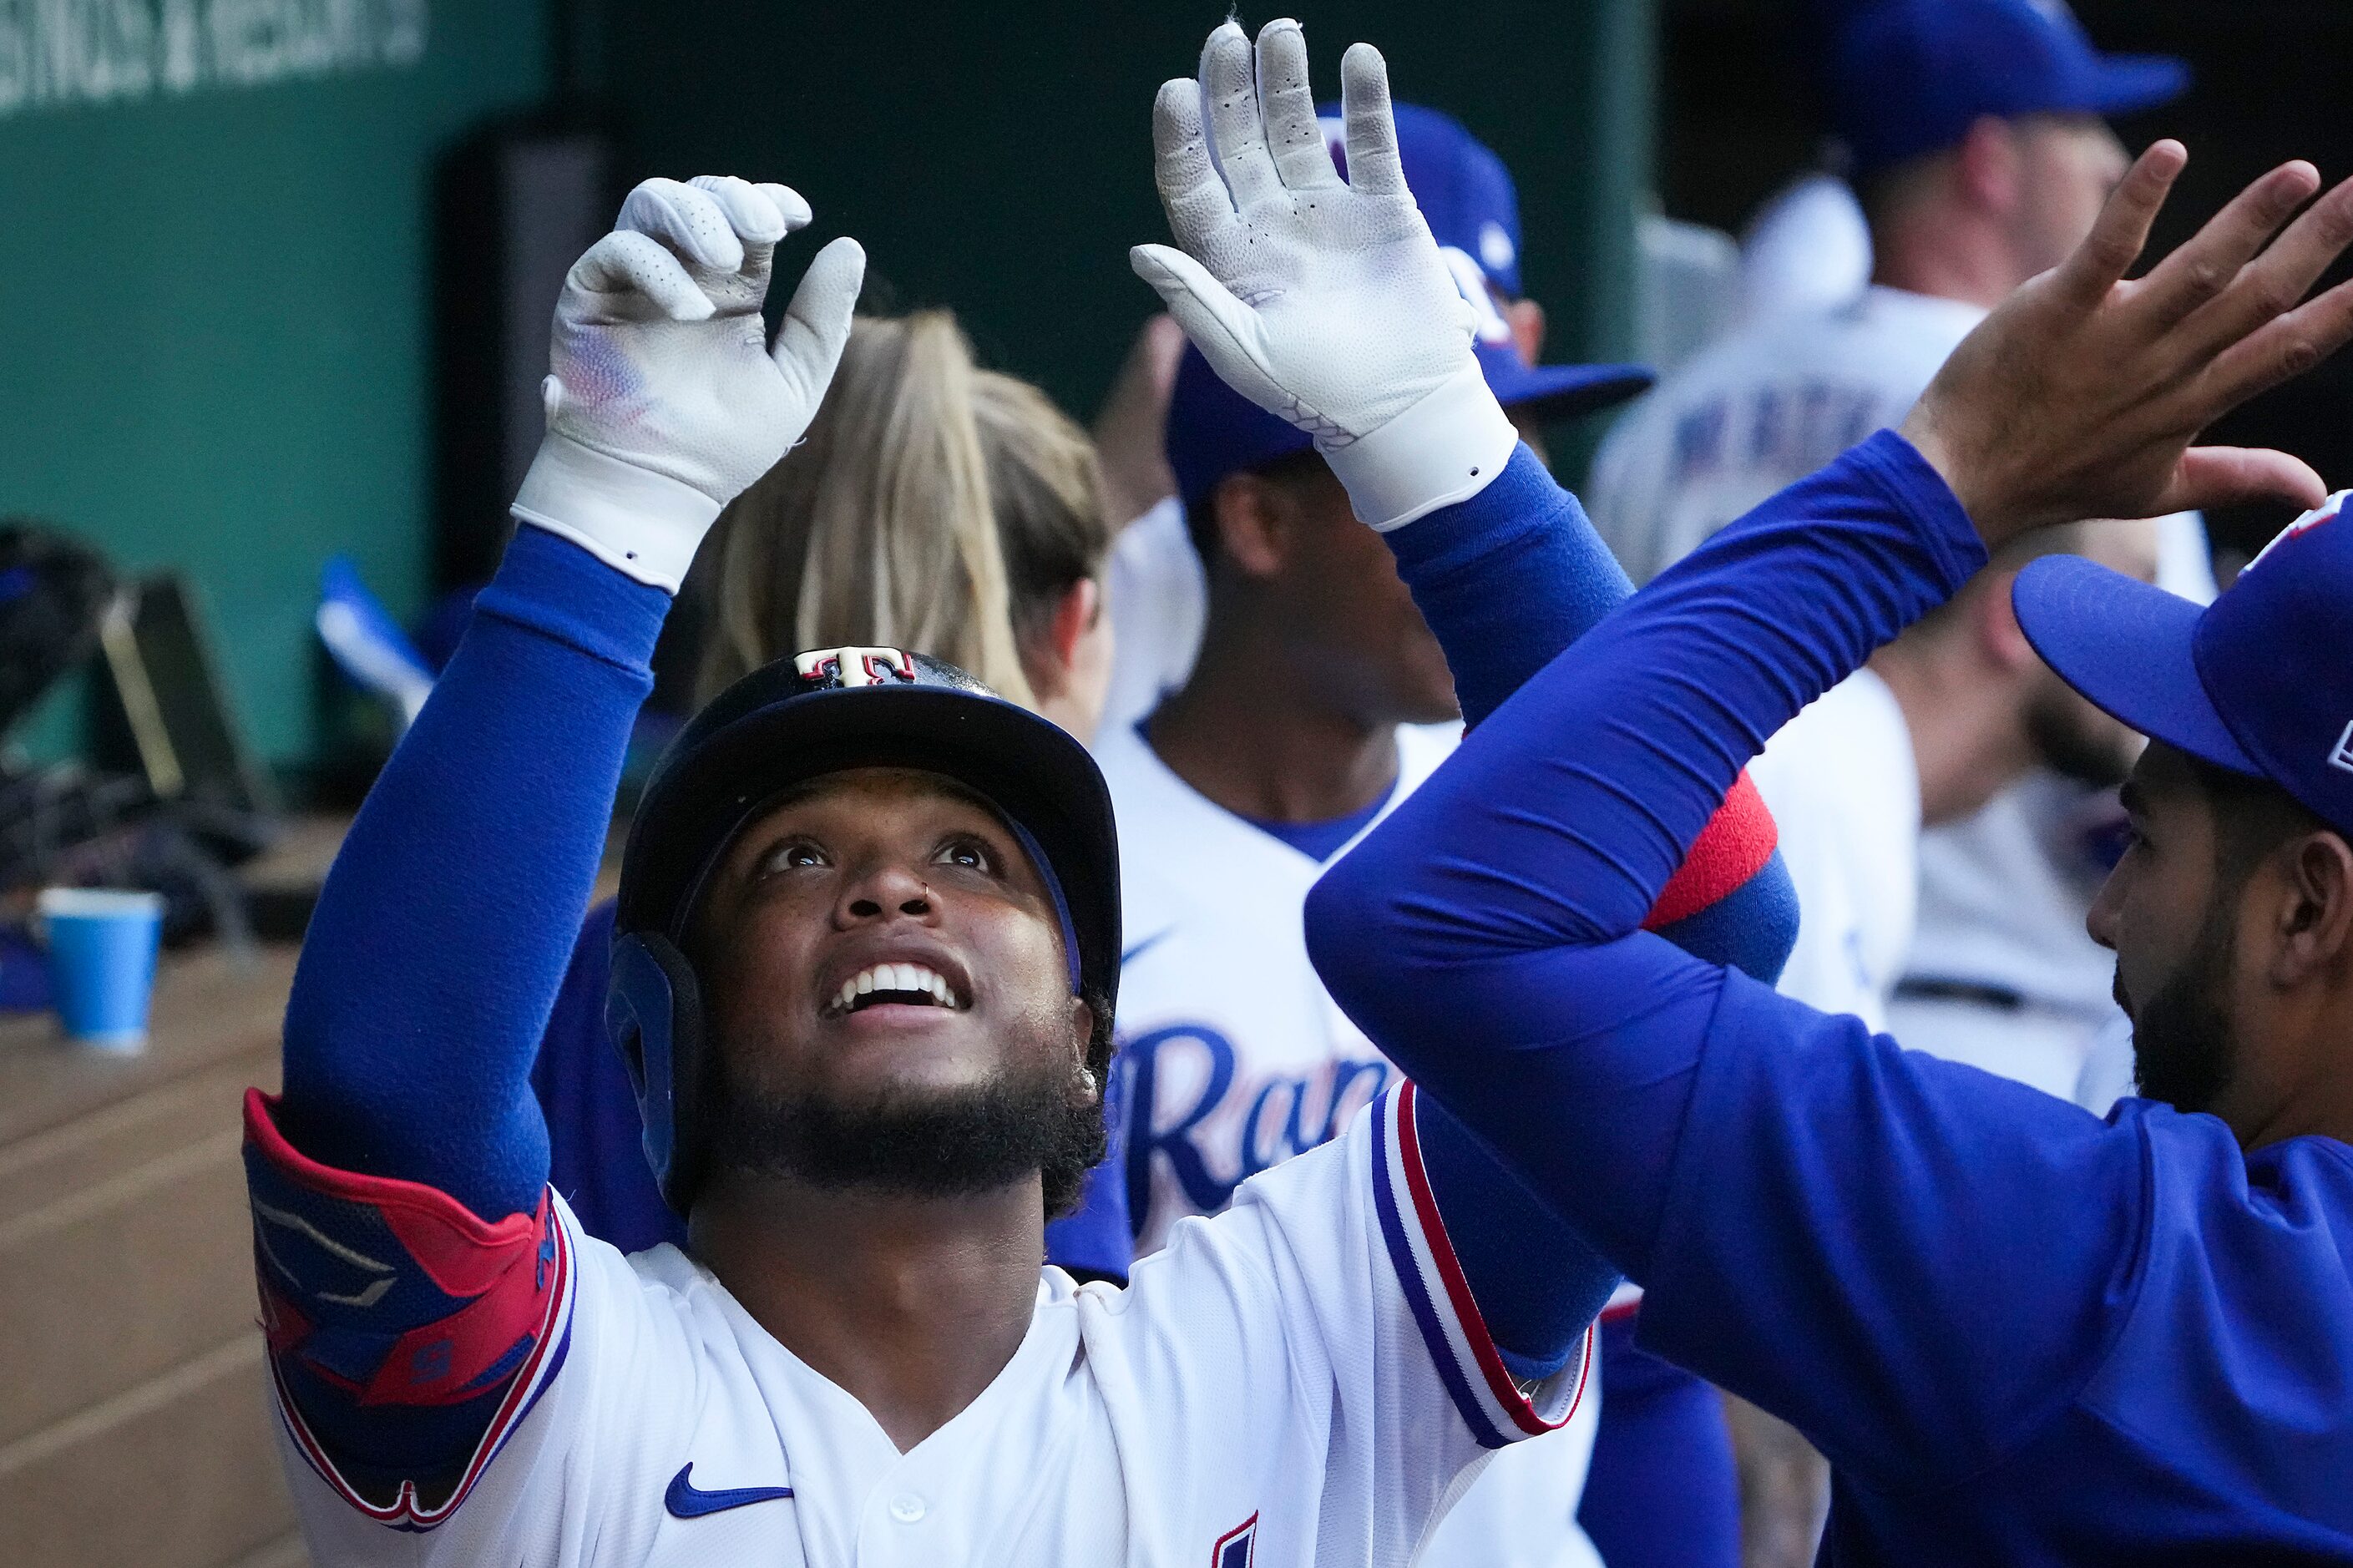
pixel 665 403
pixel 1324 302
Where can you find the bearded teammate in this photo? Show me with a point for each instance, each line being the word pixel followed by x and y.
pixel 865 967
pixel 2022 1334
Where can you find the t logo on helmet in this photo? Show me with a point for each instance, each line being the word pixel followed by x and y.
pixel 854 665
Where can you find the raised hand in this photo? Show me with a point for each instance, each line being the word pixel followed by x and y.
pixel 1324 302
pixel 2082 394
pixel 665 401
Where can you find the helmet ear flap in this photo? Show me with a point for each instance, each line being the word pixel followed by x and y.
pixel 653 1011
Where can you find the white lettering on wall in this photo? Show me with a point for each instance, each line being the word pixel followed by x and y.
pixel 61 52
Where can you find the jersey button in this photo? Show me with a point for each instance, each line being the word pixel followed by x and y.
pixel 907 1508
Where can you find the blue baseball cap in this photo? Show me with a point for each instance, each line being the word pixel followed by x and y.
pixel 1467 197
pixel 2256 683
pixel 1907 77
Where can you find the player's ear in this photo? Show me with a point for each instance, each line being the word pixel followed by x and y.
pixel 1083 1036
pixel 1252 523
pixel 1050 647
pixel 1993 621
pixel 2314 905
pixel 1990 165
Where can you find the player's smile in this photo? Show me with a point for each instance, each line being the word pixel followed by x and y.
pixel 898 982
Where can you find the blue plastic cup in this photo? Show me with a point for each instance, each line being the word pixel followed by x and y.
pixel 102 950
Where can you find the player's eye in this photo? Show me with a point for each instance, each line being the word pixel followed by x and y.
pixel 794 855
pixel 969 853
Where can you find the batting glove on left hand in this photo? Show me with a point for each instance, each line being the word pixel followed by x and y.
pixel 665 403
pixel 1324 302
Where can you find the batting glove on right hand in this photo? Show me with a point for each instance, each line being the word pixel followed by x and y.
pixel 1324 302
pixel 665 403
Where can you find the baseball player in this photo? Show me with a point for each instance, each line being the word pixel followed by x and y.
pixel 1305 716
pixel 1974 131
pixel 2022 1335
pixel 865 956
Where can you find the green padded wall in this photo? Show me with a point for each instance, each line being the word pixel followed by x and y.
pixel 998 158
pixel 214 278
pixel 213 290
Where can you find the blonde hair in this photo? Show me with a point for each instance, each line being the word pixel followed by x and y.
pixel 933 506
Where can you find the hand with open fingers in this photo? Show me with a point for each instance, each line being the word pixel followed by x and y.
pixel 664 401
pixel 1324 302
pixel 2083 394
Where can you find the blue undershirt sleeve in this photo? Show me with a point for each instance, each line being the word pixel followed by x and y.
pixel 595 1139
pixel 1507 580
pixel 1505 583
pixel 1825 1222
pixel 1499 908
pixel 446 925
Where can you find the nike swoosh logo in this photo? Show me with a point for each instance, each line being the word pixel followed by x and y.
pixel 684 1500
pixel 1146 945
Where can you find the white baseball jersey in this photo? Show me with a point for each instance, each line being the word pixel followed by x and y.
pixel 1234 1059
pixel 1845 793
pixel 1301 1381
pixel 1758 411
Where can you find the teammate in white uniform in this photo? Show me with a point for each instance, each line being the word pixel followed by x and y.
pixel 867 948
pixel 1973 128
pixel 1845 791
pixel 1231 1056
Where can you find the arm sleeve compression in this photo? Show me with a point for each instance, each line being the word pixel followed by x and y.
pixel 1506 582
pixel 1825 1223
pixel 445 926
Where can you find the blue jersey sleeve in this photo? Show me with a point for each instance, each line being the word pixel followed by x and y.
pixel 1913 1262
pixel 1505 582
pixel 1783 1184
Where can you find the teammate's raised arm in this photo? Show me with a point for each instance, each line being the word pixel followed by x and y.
pixel 2085 393
pixel 1921 1267
pixel 1402 411
pixel 1356 332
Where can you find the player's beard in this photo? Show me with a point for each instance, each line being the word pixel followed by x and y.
pixel 929 1143
pixel 2184 1051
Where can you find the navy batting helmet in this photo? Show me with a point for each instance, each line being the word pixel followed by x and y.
pixel 797 719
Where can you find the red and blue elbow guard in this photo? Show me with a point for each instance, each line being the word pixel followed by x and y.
pixel 1731 901
pixel 408 1337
